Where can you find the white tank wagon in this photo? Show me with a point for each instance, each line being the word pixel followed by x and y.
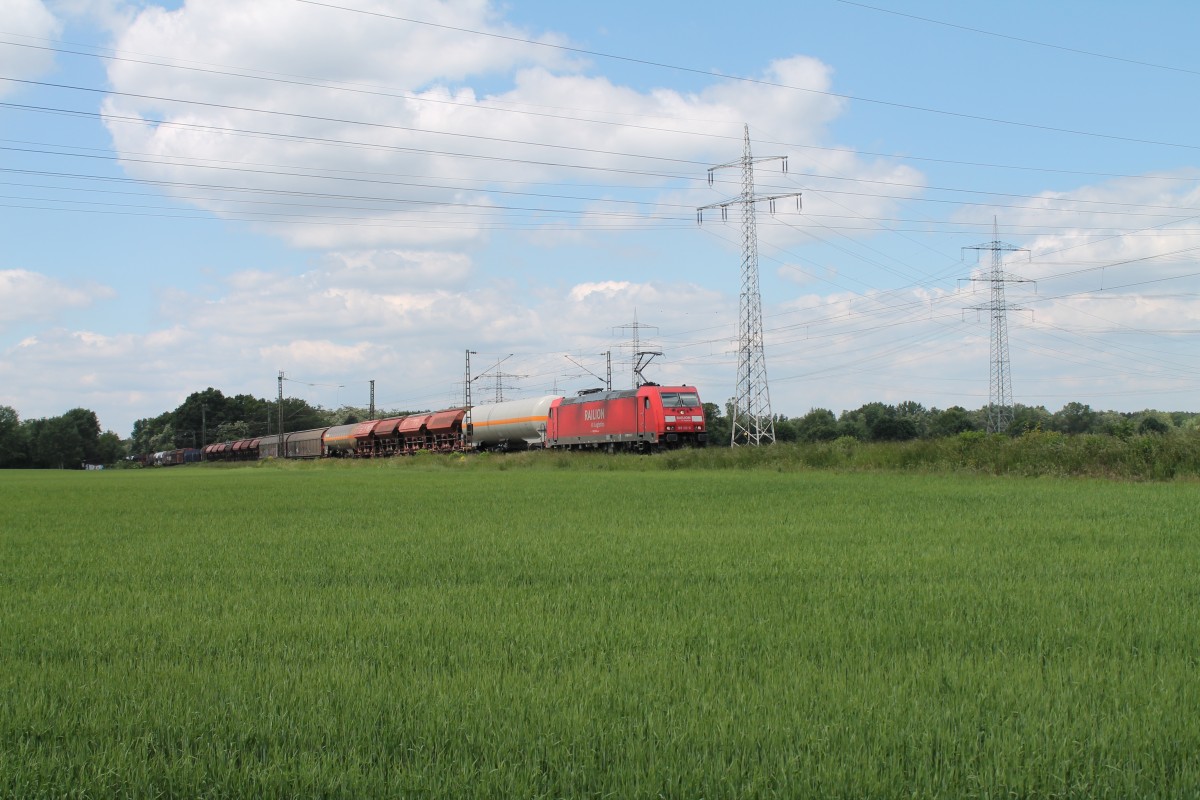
pixel 511 425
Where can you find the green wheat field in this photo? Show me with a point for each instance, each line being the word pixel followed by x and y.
pixel 441 628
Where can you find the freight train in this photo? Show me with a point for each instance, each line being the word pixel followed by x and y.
pixel 644 420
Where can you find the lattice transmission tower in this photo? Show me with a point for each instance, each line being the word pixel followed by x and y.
pixel 639 358
pixel 1000 402
pixel 752 420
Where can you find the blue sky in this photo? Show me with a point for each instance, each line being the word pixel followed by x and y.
pixel 205 193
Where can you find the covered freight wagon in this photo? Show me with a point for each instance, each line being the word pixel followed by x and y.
pixel 411 432
pixel 364 437
pixel 305 444
pixel 385 437
pixel 444 429
pixel 269 446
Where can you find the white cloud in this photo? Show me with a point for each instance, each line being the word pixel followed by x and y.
pixel 31 296
pixel 319 329
pixel 837 350
pixel 109 15
pixel 114 375
pixel 361 167
pixel 1124 254
pixel 607 288
pixel 31 23
pixel 391 269
pixel 322 356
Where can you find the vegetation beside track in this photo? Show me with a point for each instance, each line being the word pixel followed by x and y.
pixel 1033 454
pixel 1151 457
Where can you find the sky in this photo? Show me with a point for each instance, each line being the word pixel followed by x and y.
pixel 211 192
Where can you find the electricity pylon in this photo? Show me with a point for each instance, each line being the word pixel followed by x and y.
pixel 639 357
pixel 1000 402
pixel 752 420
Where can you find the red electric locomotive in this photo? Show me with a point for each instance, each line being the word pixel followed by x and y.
pixel 648 418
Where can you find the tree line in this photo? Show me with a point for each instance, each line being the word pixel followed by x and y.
pixel 880 422
pixel 70 441
pixel 209 416
pixel 75 439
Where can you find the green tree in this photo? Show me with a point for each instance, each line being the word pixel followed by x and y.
pixel 1151 424
pixel 785 429
pixel 718 425
pixel 197 416
pixel 1114 423
pixel 893 429
pixel 163 440
pixel 88 427
pixel 298 415
pixel 348 415
pixel 951 422
pixel 110 449
pixel 917 414
pixel 1075 418
pixel 818 425
pixel 14 444
pixel 852 424
pixel 58 444
pixel 147 432
pixel 1028 418
pixel 880 422
pixel 230 432
pixel 253 411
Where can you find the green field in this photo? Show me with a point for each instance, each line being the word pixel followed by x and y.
pixel 449 629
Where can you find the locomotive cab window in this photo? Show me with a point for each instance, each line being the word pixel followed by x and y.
pixel 680 399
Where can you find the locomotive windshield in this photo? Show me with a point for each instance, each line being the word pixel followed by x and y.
pixel 680 399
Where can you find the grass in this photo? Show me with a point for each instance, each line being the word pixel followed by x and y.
pixel 599 627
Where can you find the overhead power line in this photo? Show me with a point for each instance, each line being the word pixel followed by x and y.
pixel 251 169
pixel 494 106
pixel 756 81
pixel 395 94
pixel 384 178
pixel 344 121
pixel 294 137
pixel 1022 40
